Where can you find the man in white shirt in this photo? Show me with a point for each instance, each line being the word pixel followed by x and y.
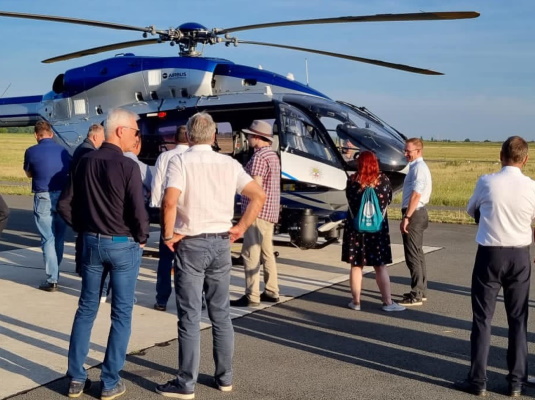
pixel 417 188
pixel 165 262
pixel 505 202
pixel 197 212
pixel 145 169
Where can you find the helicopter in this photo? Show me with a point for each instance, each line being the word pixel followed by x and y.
pixel 317 138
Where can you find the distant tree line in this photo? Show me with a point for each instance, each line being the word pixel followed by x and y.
pixel 21 129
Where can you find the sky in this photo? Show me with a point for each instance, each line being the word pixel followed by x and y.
pixel 487 92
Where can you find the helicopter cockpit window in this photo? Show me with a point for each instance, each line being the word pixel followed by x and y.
pixel 301 135
pixel 347 147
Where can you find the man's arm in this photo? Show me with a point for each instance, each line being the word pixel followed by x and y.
pixel 168 217
pixel 258 179
pixel 257 198
pixel 413 204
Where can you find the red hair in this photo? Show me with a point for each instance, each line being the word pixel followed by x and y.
pixel 367 169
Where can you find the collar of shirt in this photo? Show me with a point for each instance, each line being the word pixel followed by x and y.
pixel 90 143
pixel 414 162
pixel 200 147
pixel 45 141
pixel 512 170
pixel 263 148
pixel 111 146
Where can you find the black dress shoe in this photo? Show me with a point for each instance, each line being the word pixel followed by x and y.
pixel 48 287
pixel 268 299
pixel 515 389
pixel 244 302
pixel 159 307
pixel 471 387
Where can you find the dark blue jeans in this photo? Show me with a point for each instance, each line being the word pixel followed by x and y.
pixel 121 259
pixel 163 275
pixel 203 264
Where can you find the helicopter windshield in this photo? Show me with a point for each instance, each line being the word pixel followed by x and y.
pixel 354 131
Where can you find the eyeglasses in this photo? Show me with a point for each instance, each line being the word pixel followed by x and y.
pixel 137 131
pixel 410 151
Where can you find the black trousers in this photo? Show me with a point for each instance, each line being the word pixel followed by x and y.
pixel 494 268
pixel 4 213
pixel 414 254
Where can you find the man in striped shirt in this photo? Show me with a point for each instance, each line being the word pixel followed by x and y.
pixel 264 167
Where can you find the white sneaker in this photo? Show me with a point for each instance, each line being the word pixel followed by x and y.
pixel 103 299
pixel 393 307
pixel 354 306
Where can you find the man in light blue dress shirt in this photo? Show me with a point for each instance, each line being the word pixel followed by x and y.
pixel 417 189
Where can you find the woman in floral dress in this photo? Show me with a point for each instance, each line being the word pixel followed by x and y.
pixel 359 248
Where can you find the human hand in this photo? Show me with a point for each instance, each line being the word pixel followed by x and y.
pixel 172 243
pixel 404 225
pixel 236 232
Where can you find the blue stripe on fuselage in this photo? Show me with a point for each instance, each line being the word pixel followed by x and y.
pixel 20 100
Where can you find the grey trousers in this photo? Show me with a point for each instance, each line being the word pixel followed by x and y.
pixel 414 253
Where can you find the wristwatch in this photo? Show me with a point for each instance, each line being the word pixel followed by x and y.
pixel 166 239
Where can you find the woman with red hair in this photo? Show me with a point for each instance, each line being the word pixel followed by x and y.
pixel 359 248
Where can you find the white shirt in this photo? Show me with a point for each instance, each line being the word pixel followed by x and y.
pixel 208 182
pixel 417 180
pixel 506 202
pixel 146 173
pixel 160 171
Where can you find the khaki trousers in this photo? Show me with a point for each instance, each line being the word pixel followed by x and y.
pixel 258 249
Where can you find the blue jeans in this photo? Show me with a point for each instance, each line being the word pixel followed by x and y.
pixel 52 229
pixel 203 263
pixel 163 276
pixel 120 259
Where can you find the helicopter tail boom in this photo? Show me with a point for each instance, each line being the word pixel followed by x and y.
pixel 20 111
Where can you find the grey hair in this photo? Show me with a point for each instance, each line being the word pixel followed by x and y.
pixel 94 129
pixel 201 128
pixel 118 117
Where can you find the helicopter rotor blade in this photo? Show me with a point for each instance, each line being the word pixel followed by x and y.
pixel 423 16
pixel 101 49
pixel 401 67
pixel 78 21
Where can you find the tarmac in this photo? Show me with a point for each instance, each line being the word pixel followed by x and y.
pixel 310 345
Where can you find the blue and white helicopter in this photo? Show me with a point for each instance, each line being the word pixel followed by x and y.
pixel 316 137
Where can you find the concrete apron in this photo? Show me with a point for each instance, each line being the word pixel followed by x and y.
pixel 35 325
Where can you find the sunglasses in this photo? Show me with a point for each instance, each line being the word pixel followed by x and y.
pixel 137 132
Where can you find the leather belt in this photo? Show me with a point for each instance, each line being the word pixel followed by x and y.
pixel 102 236
pixel 222 235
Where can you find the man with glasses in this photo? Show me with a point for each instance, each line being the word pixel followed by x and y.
pixel 105 204
pixel 417 189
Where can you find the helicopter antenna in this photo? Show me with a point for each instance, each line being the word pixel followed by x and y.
pixel 306 69
pixel 7 88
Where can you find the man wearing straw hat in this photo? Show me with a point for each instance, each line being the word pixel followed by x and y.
pixel 264 167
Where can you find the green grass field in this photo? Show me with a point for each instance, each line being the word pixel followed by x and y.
pixel 455 167
pixel 13 180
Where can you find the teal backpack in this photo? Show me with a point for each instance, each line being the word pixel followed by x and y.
pixel 369 218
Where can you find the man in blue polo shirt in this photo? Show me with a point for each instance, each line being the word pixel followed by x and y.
pixel 47 163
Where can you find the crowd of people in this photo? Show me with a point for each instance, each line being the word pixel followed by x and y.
pixel 103 191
